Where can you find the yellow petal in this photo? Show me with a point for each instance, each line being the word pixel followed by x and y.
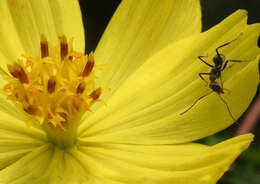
pixel 139 29
pixel 10 45
pixel 13 147
pixel 115 163
pixel 161 164
pixel 45 164
pixel 7 107
pixel 146 108
pixel 10 125
pixel 28 168
pixel 4 60
pixel 26 20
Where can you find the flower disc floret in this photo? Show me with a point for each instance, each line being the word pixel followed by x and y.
pixel 54 86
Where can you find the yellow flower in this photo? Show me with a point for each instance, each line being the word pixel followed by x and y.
pixel 113 116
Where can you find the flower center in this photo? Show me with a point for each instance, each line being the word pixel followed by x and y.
pixel 55 88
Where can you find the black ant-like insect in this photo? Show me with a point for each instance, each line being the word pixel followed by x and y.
pixel 214 74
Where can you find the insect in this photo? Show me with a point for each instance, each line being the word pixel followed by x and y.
pixel 220 63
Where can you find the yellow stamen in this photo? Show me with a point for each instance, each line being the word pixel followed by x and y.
pixel 54 87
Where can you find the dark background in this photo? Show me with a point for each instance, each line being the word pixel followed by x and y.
pixel 97 13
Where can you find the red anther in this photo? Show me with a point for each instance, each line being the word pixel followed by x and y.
pixel 64 49
pixel 88 68
pixel 51 85
pixel 31 110
pixel 80 88
pixel 18 72
pixel 95 94
pixel 44 47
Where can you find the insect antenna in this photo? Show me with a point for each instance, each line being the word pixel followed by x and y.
pixel 225 44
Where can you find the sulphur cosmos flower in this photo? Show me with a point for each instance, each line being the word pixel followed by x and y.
pixel 113 116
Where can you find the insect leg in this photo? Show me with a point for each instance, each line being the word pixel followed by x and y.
pixel 228 90
pixel 221 82
pixel 234 61
pixel 201 58
pixel 222 99
pixel 194 103
pixel 200 75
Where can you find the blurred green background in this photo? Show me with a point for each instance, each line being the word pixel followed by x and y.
pixel 97 13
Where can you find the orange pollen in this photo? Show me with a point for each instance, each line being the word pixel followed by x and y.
pixel 77 55
pixel 55 85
